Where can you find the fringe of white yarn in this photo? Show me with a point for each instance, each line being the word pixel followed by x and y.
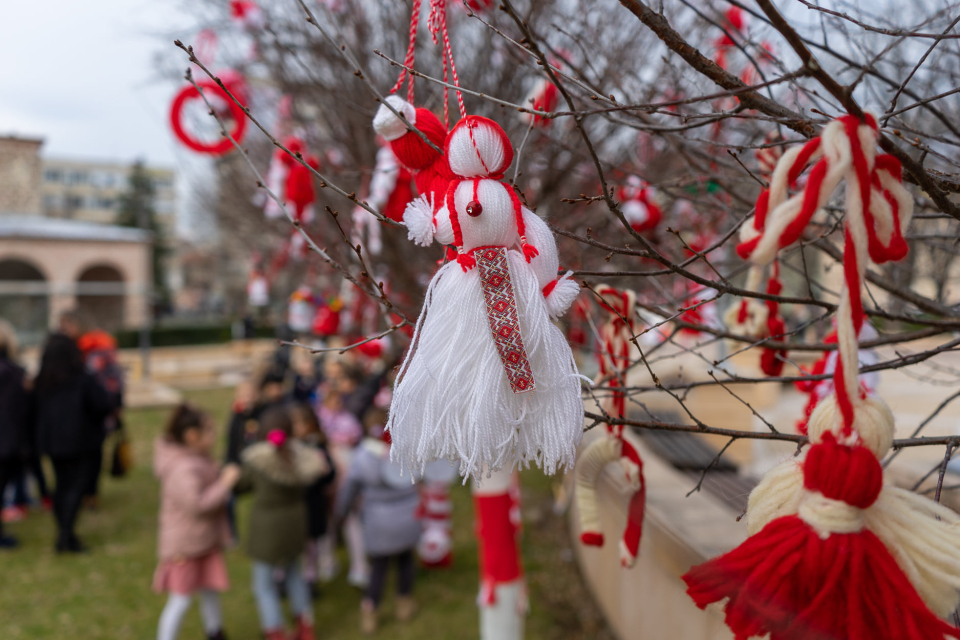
pixel 454 401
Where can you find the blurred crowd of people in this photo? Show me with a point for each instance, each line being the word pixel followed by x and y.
pixel 306 441
pixel 65 413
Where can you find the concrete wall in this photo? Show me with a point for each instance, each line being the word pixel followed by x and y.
pixel 649 601
pixel 63 261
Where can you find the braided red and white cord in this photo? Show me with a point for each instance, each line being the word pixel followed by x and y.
pixel 878 209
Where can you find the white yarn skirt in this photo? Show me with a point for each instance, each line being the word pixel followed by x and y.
pixel 453 399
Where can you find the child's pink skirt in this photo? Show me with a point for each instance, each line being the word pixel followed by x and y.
pixel 190 575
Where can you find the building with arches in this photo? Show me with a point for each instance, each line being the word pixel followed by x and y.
pixel 48 266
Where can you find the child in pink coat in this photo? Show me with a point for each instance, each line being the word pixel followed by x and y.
pixel 193 528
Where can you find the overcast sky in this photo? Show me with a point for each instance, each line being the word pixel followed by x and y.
pixel 80 75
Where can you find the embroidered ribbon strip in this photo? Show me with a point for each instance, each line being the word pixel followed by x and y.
pixel 502 315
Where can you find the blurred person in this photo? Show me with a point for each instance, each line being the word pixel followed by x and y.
pixel 99 350
pixel 272 390
pixel 319 559
pixel 306 378
pixel 68 407
pixel 20 499
pixel 14 435
pixel 278 471
pixel 192 527
pixel 388 515
pixel 71 324
pixel 344 431
pixel 243 428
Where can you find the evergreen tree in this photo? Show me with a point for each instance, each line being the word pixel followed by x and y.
pixel 137 209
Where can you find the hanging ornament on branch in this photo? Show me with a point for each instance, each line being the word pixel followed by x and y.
pixel 760 319
pixel 390 189
pixel 188 102
pixel 490 381
pixel 616 337
pixel 292 182
pixel 835 552
pixel 248 15
pixel 638 202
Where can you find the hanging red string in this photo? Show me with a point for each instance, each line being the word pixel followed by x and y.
pixel 408 60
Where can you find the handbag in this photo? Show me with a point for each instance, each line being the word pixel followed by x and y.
pixel 122 461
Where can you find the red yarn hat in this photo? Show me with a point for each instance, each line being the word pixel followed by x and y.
pixel 488 153
pixel 478 148
pixel 411 150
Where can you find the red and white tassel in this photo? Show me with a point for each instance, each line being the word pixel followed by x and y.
pixel 833 553
pixel 760 319
pixel 616 335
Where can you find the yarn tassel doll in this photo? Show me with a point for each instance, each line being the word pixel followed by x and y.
pixel 616 335
pixel 490 380
pixel 835 553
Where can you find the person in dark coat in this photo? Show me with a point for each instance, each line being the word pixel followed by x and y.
pixel 69 409
pixel 14 441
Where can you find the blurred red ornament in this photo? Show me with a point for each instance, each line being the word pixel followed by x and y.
pixel 232 111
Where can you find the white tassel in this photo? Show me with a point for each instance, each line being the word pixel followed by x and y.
pixel 418 216
pixel 564 293
pixel 453 400
pixel 923 536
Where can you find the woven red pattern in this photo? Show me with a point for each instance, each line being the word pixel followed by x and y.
pixel 494 270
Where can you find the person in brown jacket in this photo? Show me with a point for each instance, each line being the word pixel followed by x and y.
pixel 193 527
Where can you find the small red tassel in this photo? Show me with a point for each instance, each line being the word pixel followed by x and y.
pixel 529 251
pixel 592 538
pixel 466 261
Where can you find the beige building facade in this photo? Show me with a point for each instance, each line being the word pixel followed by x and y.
pixel 20 171
pixel 90 191
pixel 48 266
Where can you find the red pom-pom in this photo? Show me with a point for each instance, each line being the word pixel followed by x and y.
pixel 410 149
pixel 850 474
pixel 592 538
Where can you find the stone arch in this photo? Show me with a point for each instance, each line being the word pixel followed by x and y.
pixel 101 295
pixel 24 297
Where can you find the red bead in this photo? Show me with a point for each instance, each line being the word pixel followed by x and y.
pixel 474 209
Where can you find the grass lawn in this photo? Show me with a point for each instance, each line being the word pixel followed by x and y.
pixel 106 594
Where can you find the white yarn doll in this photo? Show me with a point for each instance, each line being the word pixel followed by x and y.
pixel 489 380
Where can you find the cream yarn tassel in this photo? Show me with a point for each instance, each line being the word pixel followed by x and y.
pixel 923 536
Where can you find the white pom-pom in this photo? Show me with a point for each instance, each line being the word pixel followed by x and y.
pixel 418 217
pixel 563 295
pixel 387 124
pixel 873 423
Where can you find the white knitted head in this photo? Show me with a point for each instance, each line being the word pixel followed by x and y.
pixel 873 422
pixel 387 124
pixel 487 153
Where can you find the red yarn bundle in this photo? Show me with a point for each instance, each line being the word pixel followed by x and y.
pixel 796 583
pixel 431 172
pixel 770 361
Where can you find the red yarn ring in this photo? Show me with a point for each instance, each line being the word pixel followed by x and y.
pixel 220 147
